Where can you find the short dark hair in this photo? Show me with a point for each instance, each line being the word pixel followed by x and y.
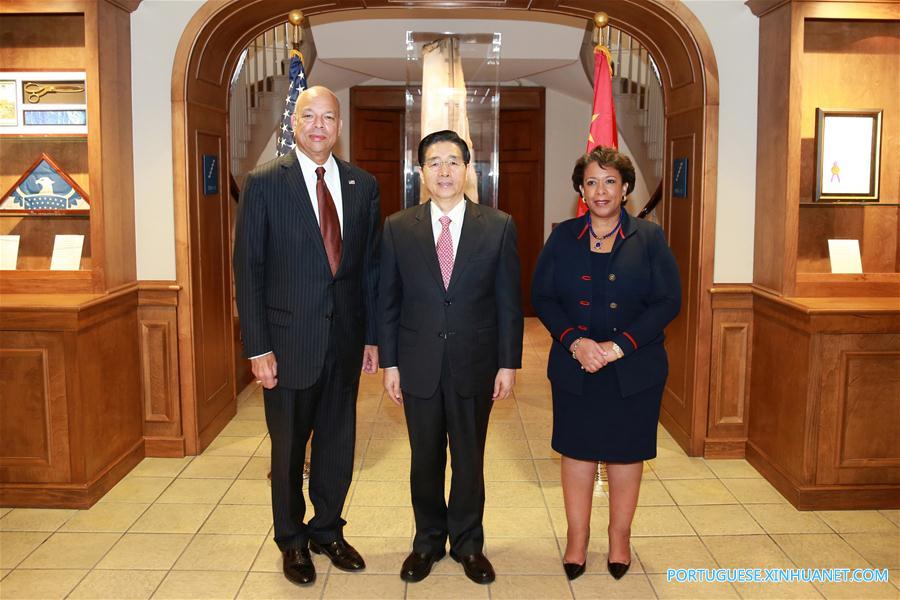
pixel 445 135
pixel 606 157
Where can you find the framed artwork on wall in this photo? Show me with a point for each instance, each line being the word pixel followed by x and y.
pixel 848 155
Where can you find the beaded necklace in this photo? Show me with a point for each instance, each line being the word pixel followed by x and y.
pixel 599 238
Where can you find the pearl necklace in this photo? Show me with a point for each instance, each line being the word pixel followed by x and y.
pixel 601 238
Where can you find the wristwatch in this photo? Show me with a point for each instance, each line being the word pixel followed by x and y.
pixel 617 350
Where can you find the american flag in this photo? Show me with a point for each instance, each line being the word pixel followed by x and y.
pixel 285 142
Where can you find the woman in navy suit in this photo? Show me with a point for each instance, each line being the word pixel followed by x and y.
pixel 605 286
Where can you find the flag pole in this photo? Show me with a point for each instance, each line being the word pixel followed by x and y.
pixel 296 19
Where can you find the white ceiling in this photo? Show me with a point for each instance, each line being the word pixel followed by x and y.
pixel 369 47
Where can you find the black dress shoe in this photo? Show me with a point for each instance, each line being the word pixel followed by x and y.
pixel 617 569
pixel 298 566
pixel 417 566
pixel 573 570
pixel 342 555
pixel 477 567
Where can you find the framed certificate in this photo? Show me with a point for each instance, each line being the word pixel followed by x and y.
pixel 848 155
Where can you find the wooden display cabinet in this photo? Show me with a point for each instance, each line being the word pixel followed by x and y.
pixel 824 419
pixel 70 368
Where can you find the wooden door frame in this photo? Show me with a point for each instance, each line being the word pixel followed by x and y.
pixel 212 43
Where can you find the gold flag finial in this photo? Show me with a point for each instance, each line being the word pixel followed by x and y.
pixel 296 19
pixel 601 19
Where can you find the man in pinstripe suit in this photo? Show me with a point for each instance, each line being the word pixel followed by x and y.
pixel 306 270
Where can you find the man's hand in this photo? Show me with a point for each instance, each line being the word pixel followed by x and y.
pixel 504 383
pixel 392 385
pixel 370 360
pixel 265 369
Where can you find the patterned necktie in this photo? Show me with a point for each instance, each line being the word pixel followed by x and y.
pixel 445 250
pixel 328 222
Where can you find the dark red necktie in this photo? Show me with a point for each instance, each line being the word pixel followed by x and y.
pixel 328 222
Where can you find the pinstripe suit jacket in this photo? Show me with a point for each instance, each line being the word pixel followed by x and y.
pixel 287 298
pixel 477 320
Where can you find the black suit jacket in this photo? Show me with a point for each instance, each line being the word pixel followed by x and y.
pixel 287 298
pixel 643 293
pixel 477 320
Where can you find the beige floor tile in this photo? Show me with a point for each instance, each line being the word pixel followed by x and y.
pixel 16 545
pixel 385 469
pixel 172 518
pixel 858 521
pixel 892 515
pixel 505 411
pixel 666 447
pixel 754 491
pixel 784 518
pixel 195 491
pixel 39 584
pixel 207 585
pixel 659 521
pixel 233 446
pixel 273 586
pixel 681 468
pixel 598 552
pixel 70 551
pixel 632 586
pixel 362 586
pixel 160 467
pixel 216 467
pixel 512 494
pixel 857 591
pixel 387 448
pixel 137 489
pixel 535 429
pixel 509 470
pixel 548 470
pixel 4 510
pixel 386 429
pixel 380 493
pixel 880 549
pixel 727 519
pixel 446 587
pixel 517 523
pixel 257 467
pixel 249 491
pixel 532 557
pixel 264 450
pixel 654 493
pixel 35 519
pixel 379 521
pixel 507 448
pixel 153 551
pixel 737 468
pixel 239 518
pixel 599 519
pixel 657 554
pixel 541 448
pixel 244 428
pixel 220 552
pixel 779 591
pixel 268 559
pixel 106 516
pixel 543 587
pixel 251 413
pixel 122 585
pixel 382 555
pixel 4 573
pixel 698 491
pixel 747 551
pixel 698 590
pixel 819 551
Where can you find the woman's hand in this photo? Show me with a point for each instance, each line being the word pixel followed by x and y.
pixel 609 351
pixel 590 355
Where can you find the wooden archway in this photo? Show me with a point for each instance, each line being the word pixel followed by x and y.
pixel 206 57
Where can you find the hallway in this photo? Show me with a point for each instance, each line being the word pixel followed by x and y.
pixel 200 527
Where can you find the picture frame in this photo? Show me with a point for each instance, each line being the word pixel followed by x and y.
pixel 45 189
pixel 848 155
pixel 9 107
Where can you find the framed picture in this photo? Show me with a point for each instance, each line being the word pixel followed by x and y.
pixel 848 155
pixel 8 107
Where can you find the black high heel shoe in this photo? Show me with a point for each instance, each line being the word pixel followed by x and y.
pixel 617 569
pixel 574 570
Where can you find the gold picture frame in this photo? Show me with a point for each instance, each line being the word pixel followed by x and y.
pixel 848 155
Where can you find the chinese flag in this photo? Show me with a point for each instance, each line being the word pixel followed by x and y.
pixel 603 130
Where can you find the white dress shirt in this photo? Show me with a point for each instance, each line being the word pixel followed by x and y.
pixel 332 179
pixel 456 214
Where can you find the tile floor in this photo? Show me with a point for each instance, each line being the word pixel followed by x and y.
pixel 200 527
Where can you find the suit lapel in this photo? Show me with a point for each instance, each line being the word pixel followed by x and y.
pixel 425 236
pixel 351 217
pixel 469 239
pixel 297 190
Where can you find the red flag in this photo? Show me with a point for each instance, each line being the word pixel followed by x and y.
pixel 602 131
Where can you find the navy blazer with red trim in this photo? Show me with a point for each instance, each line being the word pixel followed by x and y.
pixel 643 295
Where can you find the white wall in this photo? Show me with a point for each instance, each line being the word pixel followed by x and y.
pixel 156 29
pixel 734 33
pixel 733 30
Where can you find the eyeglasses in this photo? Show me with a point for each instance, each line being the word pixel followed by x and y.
pixel 437 164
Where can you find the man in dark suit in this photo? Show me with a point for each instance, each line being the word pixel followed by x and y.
pixel 450 337
pixel 305 266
